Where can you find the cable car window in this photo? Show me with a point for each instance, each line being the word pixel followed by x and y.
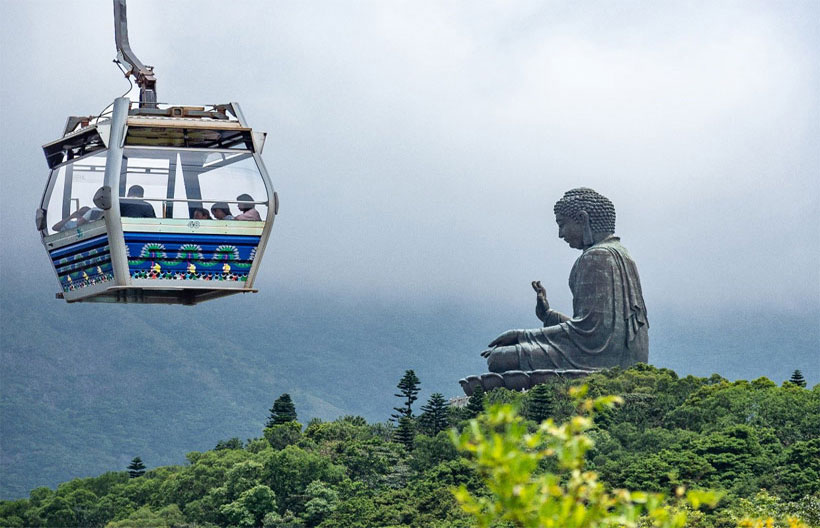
pixel 69 200
pixel 144 183
pixel 235 181
pixel 181 183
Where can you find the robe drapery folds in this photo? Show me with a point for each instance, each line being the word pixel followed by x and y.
pixel 608 327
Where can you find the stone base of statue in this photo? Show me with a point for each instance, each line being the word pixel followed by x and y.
pixel 518 380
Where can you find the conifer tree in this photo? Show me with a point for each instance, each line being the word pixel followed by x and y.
pixel 408 389
pixel 798 379
pixel 405 432
pixel 136 468
pixel 475 405
pixel 283 411
pixel 434 417
pixel 539 403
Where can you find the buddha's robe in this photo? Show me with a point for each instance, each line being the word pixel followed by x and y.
pixel 608 326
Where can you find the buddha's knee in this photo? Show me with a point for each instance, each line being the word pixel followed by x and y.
pixel 503 359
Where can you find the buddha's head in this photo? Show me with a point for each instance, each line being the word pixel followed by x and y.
pixel 584 217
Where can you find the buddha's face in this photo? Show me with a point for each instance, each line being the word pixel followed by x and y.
pixel 571 231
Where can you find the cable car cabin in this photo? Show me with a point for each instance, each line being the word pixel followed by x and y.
pixel 156 205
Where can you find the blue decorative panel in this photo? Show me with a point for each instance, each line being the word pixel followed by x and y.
pixel 83 263
pixel 180 256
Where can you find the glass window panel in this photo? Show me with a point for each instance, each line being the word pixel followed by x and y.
pixel 226 177
pixel 145 181
pixel 172 183
pixel 70 200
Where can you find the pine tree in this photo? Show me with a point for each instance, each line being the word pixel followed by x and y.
pixel 798 379
pixel 136 468
pixel 405 432
pixel 475 405
pixel 409 389
pixel 283 411
pixel 539 403
pixel 434 417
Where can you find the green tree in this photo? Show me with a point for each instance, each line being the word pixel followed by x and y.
pixel 283 411
pixel 433 419
pixel 509 457
pixel 242 477
pixel 57 512
pixel 798 379
pixel 321 503
pixel 145 517
pixel 539 403
pixel 282 435
pixel 233 443
pixel 408 390
pixel 289 471
pixel 475 404
pixel 429 451
pixel 405 432
pixel 136 468
pixel 251 507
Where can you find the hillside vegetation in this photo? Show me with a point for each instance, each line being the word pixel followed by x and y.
pixel 756 441
pixel 86 387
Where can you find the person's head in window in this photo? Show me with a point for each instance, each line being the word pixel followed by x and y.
pixel 221 211
pixel 247 207
pixel 135 206
pixel 200 213
pixel 244 200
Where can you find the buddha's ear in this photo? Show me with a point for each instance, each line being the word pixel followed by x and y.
pixel 588 240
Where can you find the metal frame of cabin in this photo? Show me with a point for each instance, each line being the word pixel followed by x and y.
pixel 96 262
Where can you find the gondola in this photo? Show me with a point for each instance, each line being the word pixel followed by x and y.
pixel 155 203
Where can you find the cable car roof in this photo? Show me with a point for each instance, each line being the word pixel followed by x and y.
pixel 175 127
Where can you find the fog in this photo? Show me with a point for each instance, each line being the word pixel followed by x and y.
pixel 418 147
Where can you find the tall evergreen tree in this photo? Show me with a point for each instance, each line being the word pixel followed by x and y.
pixel 408 389
pixel 434 417
pixel 283 411
pixel 405 432
pixel 475 405
pixel 798 379
pixel 539 403
pixel 136 468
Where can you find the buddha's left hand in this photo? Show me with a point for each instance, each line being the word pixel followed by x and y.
pixel 510 337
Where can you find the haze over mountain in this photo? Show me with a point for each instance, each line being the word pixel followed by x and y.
pixel 417 151
pixel 88 387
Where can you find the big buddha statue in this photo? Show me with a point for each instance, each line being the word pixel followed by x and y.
pixel 608 326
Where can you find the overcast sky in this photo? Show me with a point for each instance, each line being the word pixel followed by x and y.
pixel 418 147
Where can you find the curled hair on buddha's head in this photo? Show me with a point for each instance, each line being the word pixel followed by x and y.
pixel 600 210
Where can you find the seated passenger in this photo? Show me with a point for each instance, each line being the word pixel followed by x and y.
pixel 221 211
pixel 248 210
pixel 200 213
pixel 83 215
pixel 133 207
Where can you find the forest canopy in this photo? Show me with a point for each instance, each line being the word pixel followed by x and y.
pixel 754 441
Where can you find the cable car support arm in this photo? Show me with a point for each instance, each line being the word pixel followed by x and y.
pixel 144 75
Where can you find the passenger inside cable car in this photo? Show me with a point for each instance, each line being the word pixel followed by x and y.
pixel 221 211
pixel 200 213
pixel 179 182
pixel 160 183
pixel 133 206
pixel 249 212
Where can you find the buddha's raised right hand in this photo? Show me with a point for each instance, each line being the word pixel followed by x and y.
pixel 542 305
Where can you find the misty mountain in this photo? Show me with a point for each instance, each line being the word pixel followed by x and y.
pixel 87 387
